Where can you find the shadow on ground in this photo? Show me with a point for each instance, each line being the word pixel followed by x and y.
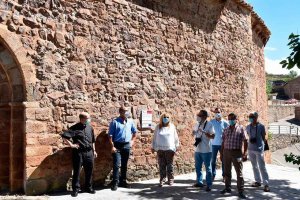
pixel 280 190
pixel 294 121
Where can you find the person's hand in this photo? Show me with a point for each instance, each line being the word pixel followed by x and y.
pixel 113 150
pixel 95 154
pixel 75 146
pixel 153 150
pixel 207 134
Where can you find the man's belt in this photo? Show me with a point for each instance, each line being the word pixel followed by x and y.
pixel 122 143
pixel 87 149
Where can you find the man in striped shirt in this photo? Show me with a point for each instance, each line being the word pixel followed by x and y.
pixel 234 137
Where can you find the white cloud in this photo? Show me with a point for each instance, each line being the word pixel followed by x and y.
pixel 270 49
pixel 273 67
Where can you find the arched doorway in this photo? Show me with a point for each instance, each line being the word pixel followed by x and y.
pixel 12 126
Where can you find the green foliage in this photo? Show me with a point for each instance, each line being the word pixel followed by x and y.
pixel 284 77
pixel 269 87
pixel 270 135
pixel 294 58
pixel 291 61
pixel 293 74
pixel 292 159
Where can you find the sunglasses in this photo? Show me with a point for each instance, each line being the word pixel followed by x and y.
pixel 166 117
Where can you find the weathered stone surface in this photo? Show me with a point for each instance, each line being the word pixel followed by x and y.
pixel 76 82
pixel 56 95
pixel 60 39
pixel 95 55
pixel 35 127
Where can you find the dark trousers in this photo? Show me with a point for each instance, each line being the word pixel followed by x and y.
pixel 233 157
pixel 85 159
pixel 165 162
pixel 215 150
pixel 120 158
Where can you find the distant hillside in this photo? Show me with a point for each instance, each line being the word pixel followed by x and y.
pixel 284 77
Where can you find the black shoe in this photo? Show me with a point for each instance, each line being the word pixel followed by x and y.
pixel 91 191
pixel 208 189
pixel 198 185
pixel 256 184
pixel 242 195
pixel 226 190
pixel 124 184
pixel 114 186
pixel 74 193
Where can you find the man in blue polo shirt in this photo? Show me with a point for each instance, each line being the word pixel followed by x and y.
pixel 219 125
pixel 122 133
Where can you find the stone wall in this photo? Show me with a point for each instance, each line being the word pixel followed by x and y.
pixel 281 141
pixel 277 112
pixel 297 112
pixel 292 89
pixel 169 56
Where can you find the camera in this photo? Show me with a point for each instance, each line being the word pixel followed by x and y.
pixel 198 140
pixel 252 140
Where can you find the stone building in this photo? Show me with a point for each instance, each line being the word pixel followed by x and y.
pixel 61 57
pixel 292 89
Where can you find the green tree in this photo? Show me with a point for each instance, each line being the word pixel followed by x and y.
pixel 294 58
pixel 292 158
pixel 291 61
pixel 293 74
pixel 269 87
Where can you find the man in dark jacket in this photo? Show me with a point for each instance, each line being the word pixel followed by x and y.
pixel 81 139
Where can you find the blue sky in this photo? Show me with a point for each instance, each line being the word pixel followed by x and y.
pixel 282 18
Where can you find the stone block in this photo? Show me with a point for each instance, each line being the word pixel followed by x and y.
pixel 36 127
pixel 36 186
pixel 71 119
pixel 35 161
pixel 140 160
pixel 43 114
pixel 56 95
pixel 37 151
pixel 76 82
pixel 60 39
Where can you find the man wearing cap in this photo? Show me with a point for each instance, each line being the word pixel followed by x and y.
pixel 204 133
pixel 219 125
pixel 234 137
pixel 81 139
pixel 122 133
pixel 257 137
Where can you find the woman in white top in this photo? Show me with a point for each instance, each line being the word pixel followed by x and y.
pixel 165 143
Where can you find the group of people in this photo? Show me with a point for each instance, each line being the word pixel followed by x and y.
pixel 228 138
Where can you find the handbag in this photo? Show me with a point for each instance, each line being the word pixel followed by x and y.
pixel 266 146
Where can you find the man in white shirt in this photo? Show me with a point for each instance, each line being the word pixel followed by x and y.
pixel 204 133
pixel 219 125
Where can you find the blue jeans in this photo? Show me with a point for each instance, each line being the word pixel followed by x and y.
pixel 205 158
pixel 215 150
pixel 120 158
